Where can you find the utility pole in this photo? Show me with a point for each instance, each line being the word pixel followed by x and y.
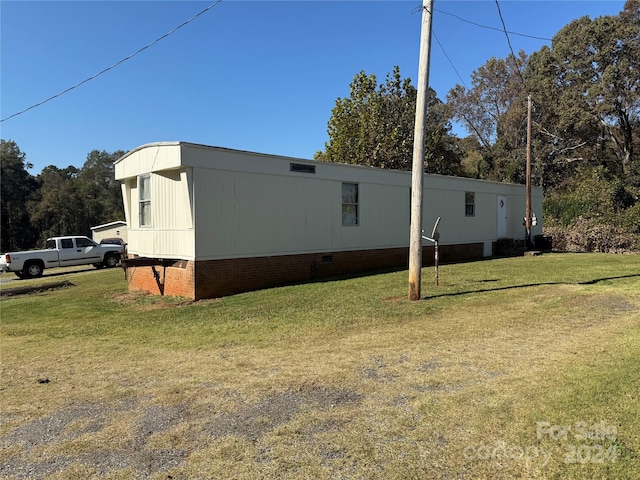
pixel 415 247
pixel 527 218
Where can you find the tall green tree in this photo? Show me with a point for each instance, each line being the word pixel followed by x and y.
pixel 70 201
pixel 493 110
pixel 495 87
pixel 17 187
pixel 66 201
pixel 59 208
pixel 375 125
pixel 588 88
pixel 100 192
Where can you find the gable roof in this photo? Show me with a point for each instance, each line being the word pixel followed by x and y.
pixel 120 223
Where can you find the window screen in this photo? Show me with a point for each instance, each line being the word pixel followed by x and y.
pixel 470 204
pixel 144 188
pixel 349 204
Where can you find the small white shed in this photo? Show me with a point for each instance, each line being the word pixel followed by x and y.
pixel 117 229
pixel 208 221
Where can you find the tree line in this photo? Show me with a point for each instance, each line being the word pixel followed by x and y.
pixel 57 201
pixel 585 89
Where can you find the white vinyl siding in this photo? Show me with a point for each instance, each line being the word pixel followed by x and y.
pixel 213 203
pixel 164 214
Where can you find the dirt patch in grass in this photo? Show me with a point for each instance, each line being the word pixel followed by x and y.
pixel 254 420
pixel 611 304
pixel 143 301
pixel 81 434
pixel 394 299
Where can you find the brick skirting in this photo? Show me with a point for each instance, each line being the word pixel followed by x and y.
pixel 218 278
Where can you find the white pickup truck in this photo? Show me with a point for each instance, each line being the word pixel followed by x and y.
pixel 61 252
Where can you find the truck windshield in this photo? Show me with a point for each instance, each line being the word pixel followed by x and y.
pixel 51 244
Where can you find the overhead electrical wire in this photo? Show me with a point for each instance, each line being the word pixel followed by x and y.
pixel 149 45
pixel 449 59
pixel 93 77
pixel 504 27
pixel 418 9
pixel 489 27
pixel 457 73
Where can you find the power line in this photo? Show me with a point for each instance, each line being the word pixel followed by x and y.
pixel 449 59
pixel 417 9
pixel 93 77
pixel 504 27
pixel 489 27
pixel 459 76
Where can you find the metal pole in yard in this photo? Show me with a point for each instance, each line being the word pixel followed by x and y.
pixel 415 246
pixel 527 218
pixel 436 261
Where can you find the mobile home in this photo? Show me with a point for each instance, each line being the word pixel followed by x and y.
pixel 208 221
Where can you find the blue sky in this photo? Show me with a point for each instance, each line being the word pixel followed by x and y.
pixel 253 75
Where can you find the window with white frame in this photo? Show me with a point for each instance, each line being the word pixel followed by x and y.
pixel 349 204
pixel 144 197
pixel 469 204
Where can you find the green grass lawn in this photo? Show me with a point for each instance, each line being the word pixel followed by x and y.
pixel 511 368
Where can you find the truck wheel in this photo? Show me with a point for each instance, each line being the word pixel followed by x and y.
pixel 111 261
pixel 32 270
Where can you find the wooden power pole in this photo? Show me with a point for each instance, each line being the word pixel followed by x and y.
pixel 415 247
pixel 527 214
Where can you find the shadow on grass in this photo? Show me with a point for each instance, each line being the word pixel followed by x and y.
pixel 45 287
pixel 526 285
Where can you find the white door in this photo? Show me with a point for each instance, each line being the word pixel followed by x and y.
pixel 69 253
pixel 88 251
pixel 78 251
pixel 502 216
